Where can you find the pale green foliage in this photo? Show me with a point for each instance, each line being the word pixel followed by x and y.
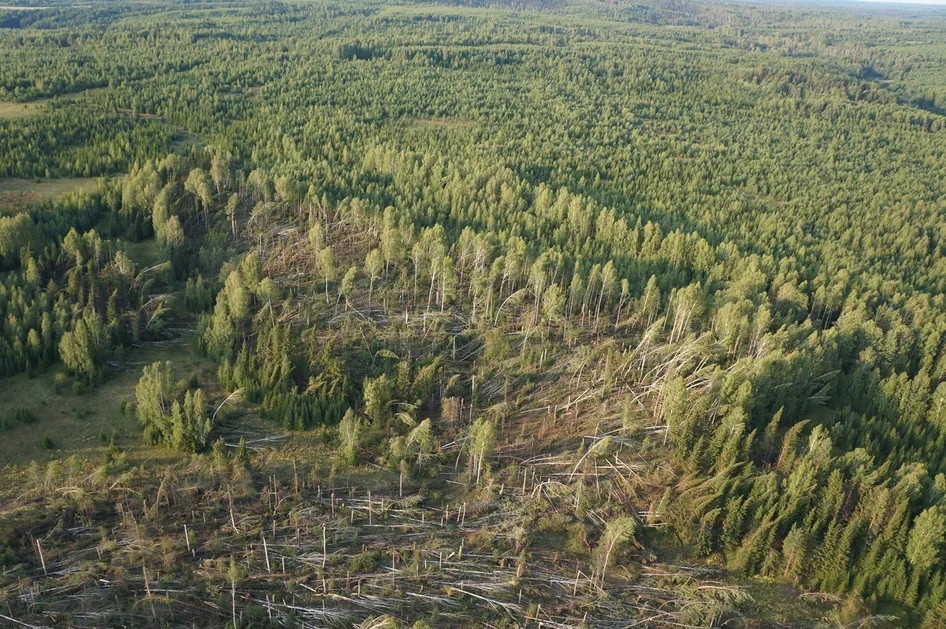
pixel 231 209
pixel 926 538
pixel 287 189
pixel 160 212
pixel 189 423
pixel 418 447
pixel 327 267
pixel 424 382
pixel 617 534
pixel 251 271
pixel 373 263
pixel 373 267
pixel 316 237
pixel 687 305
pixel 84 249
pixel 711 606
pixel 480 442
pixel 31 271
pixel 179 424
pixel 392 243
pixel 675 404
pixel 496 347
pixel 649 303
pixel 173 232
pixel 139 187
pixel 122 265
pixel 448 281
pixel 220 168
pixel 379 622
pixel 795 551
pixel 16 232
pixel 378 397
pixel 268 291
pixel 198 183
pixel 349 437
pixel 553 304
pixel 155 396
pixel 234 303
pixel 219 334
pixel 83 348
pixel 347 287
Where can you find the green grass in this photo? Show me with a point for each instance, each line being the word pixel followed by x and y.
pixel 82 423
pixel 144 253
pixel 18 111
pixel 185 141
pixel 18 194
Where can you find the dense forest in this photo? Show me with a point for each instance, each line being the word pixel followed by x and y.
pixel 509 313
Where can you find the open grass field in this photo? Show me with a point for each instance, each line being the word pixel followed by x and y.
pixel 18 111
pixel 144 253
pixel 78 422
pixel 10 110
pixel 17 194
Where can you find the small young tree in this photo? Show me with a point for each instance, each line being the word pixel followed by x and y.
pixel 327 267
pixel 421 445
pixel 349 437
pixel 373 267
pixel 553 305
pixel 82 349
pixel 180 424
pixel 347 287
pixel 155 397
pixel 189 423
pixel 220 169
pixel 481 439
pixel 232 205
pixel 378 394
pixel 617 534
pixel 316 237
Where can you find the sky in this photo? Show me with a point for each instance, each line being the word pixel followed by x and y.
pixel 929 3
pixel 938 2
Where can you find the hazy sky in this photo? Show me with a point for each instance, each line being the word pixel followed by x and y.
pixel 909 1
pixel 850 2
